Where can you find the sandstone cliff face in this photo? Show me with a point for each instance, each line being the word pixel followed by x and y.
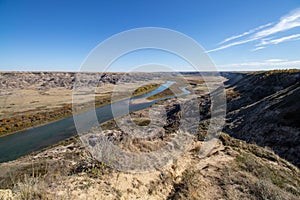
pixel 266 112
pixel 47 80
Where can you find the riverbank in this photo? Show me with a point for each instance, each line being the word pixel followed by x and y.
pixel 34 118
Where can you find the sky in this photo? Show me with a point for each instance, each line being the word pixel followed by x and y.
pixel 58 35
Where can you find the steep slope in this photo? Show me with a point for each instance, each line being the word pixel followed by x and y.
pixel 253 87
pixel 233 170
pixel 266 112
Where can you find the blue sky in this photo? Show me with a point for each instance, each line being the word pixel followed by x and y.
pixel 57 35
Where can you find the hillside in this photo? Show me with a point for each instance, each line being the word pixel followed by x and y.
pixel 233 170
pixel 265 111
pixel 251 159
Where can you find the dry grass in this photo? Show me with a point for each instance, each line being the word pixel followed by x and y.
pixel 280 71
pixel 232 94
pixel 234 171
pixel 31 188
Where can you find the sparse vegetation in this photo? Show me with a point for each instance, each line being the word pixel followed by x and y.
pixel 188 188
pixel 232 94
pixel 234 169
pixel 163 94
pixel 145 89
pixel 31 188
pixel 171 91
pixel 93 169
pixel 36 117
pixel 265 165
pixel 30 119
pixel 279 71
pixel 142 122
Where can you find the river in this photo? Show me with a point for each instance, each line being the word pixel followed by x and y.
pixel 36 138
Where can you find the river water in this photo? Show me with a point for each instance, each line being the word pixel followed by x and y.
pixel 36 138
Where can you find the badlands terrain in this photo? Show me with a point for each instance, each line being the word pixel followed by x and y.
pixel 256 155
pixel 33 98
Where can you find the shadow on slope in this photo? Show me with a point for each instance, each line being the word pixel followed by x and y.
pixel 266 112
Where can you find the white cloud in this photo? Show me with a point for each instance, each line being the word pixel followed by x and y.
pixel 275 60
pixel 272 63
pixel 287 22
pixel 258 48
pixel 280 40
pixel 245 33
pixel 292 20
pixel 230 45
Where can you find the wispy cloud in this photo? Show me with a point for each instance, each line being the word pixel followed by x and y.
pixel 280 40
pixel 292 20
pixel 287 22
pixel 275 60
pixel 271 63
pixel 231 45
pixel 246 33
pixel 258 48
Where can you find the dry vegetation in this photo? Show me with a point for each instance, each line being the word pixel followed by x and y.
pixel 280 71
pixel 232 94
pixel 40 111
pixel 233 170
pixel 173 90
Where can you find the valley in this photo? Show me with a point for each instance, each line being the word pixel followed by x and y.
pixel 255 155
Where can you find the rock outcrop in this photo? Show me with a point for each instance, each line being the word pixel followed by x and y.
pixel 47 80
